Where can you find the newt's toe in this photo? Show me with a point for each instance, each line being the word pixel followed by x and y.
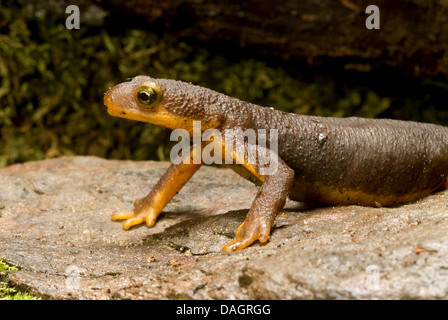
pixel 239 243
pixel 122 215
pixel 132 222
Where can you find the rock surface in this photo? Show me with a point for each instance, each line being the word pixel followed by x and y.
pixel 55 226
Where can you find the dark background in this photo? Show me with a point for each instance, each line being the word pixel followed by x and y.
pixel 309 57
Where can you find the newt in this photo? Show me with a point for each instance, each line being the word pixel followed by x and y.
pixel 320 160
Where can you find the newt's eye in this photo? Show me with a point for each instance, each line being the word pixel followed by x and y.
pixel 148 94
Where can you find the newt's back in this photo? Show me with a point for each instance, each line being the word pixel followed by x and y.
pixel 362 161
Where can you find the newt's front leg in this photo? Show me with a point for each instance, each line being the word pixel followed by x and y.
pixel 268 202
pixel 148 208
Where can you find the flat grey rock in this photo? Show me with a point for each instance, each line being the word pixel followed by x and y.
pixel 55 226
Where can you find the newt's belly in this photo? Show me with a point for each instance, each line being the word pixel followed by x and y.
pixel 318 193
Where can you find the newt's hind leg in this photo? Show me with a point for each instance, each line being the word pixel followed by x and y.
pixel 148 208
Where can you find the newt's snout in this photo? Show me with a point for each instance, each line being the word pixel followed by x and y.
pixel 117 99
pixel 112 108
pixel 108 99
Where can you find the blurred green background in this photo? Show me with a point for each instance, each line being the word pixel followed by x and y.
pixel 52 82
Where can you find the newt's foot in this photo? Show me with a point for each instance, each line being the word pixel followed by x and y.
pixel 247 233
pixel 139 215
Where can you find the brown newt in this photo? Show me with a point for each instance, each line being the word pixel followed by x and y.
pixel 320 160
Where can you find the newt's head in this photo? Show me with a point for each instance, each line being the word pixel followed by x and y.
pixel 167 103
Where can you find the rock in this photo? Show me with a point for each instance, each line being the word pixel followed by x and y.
pixel 55 226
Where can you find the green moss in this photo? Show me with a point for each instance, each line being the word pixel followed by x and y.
pixel 4 267
pixel 52 82
pixel 9 293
